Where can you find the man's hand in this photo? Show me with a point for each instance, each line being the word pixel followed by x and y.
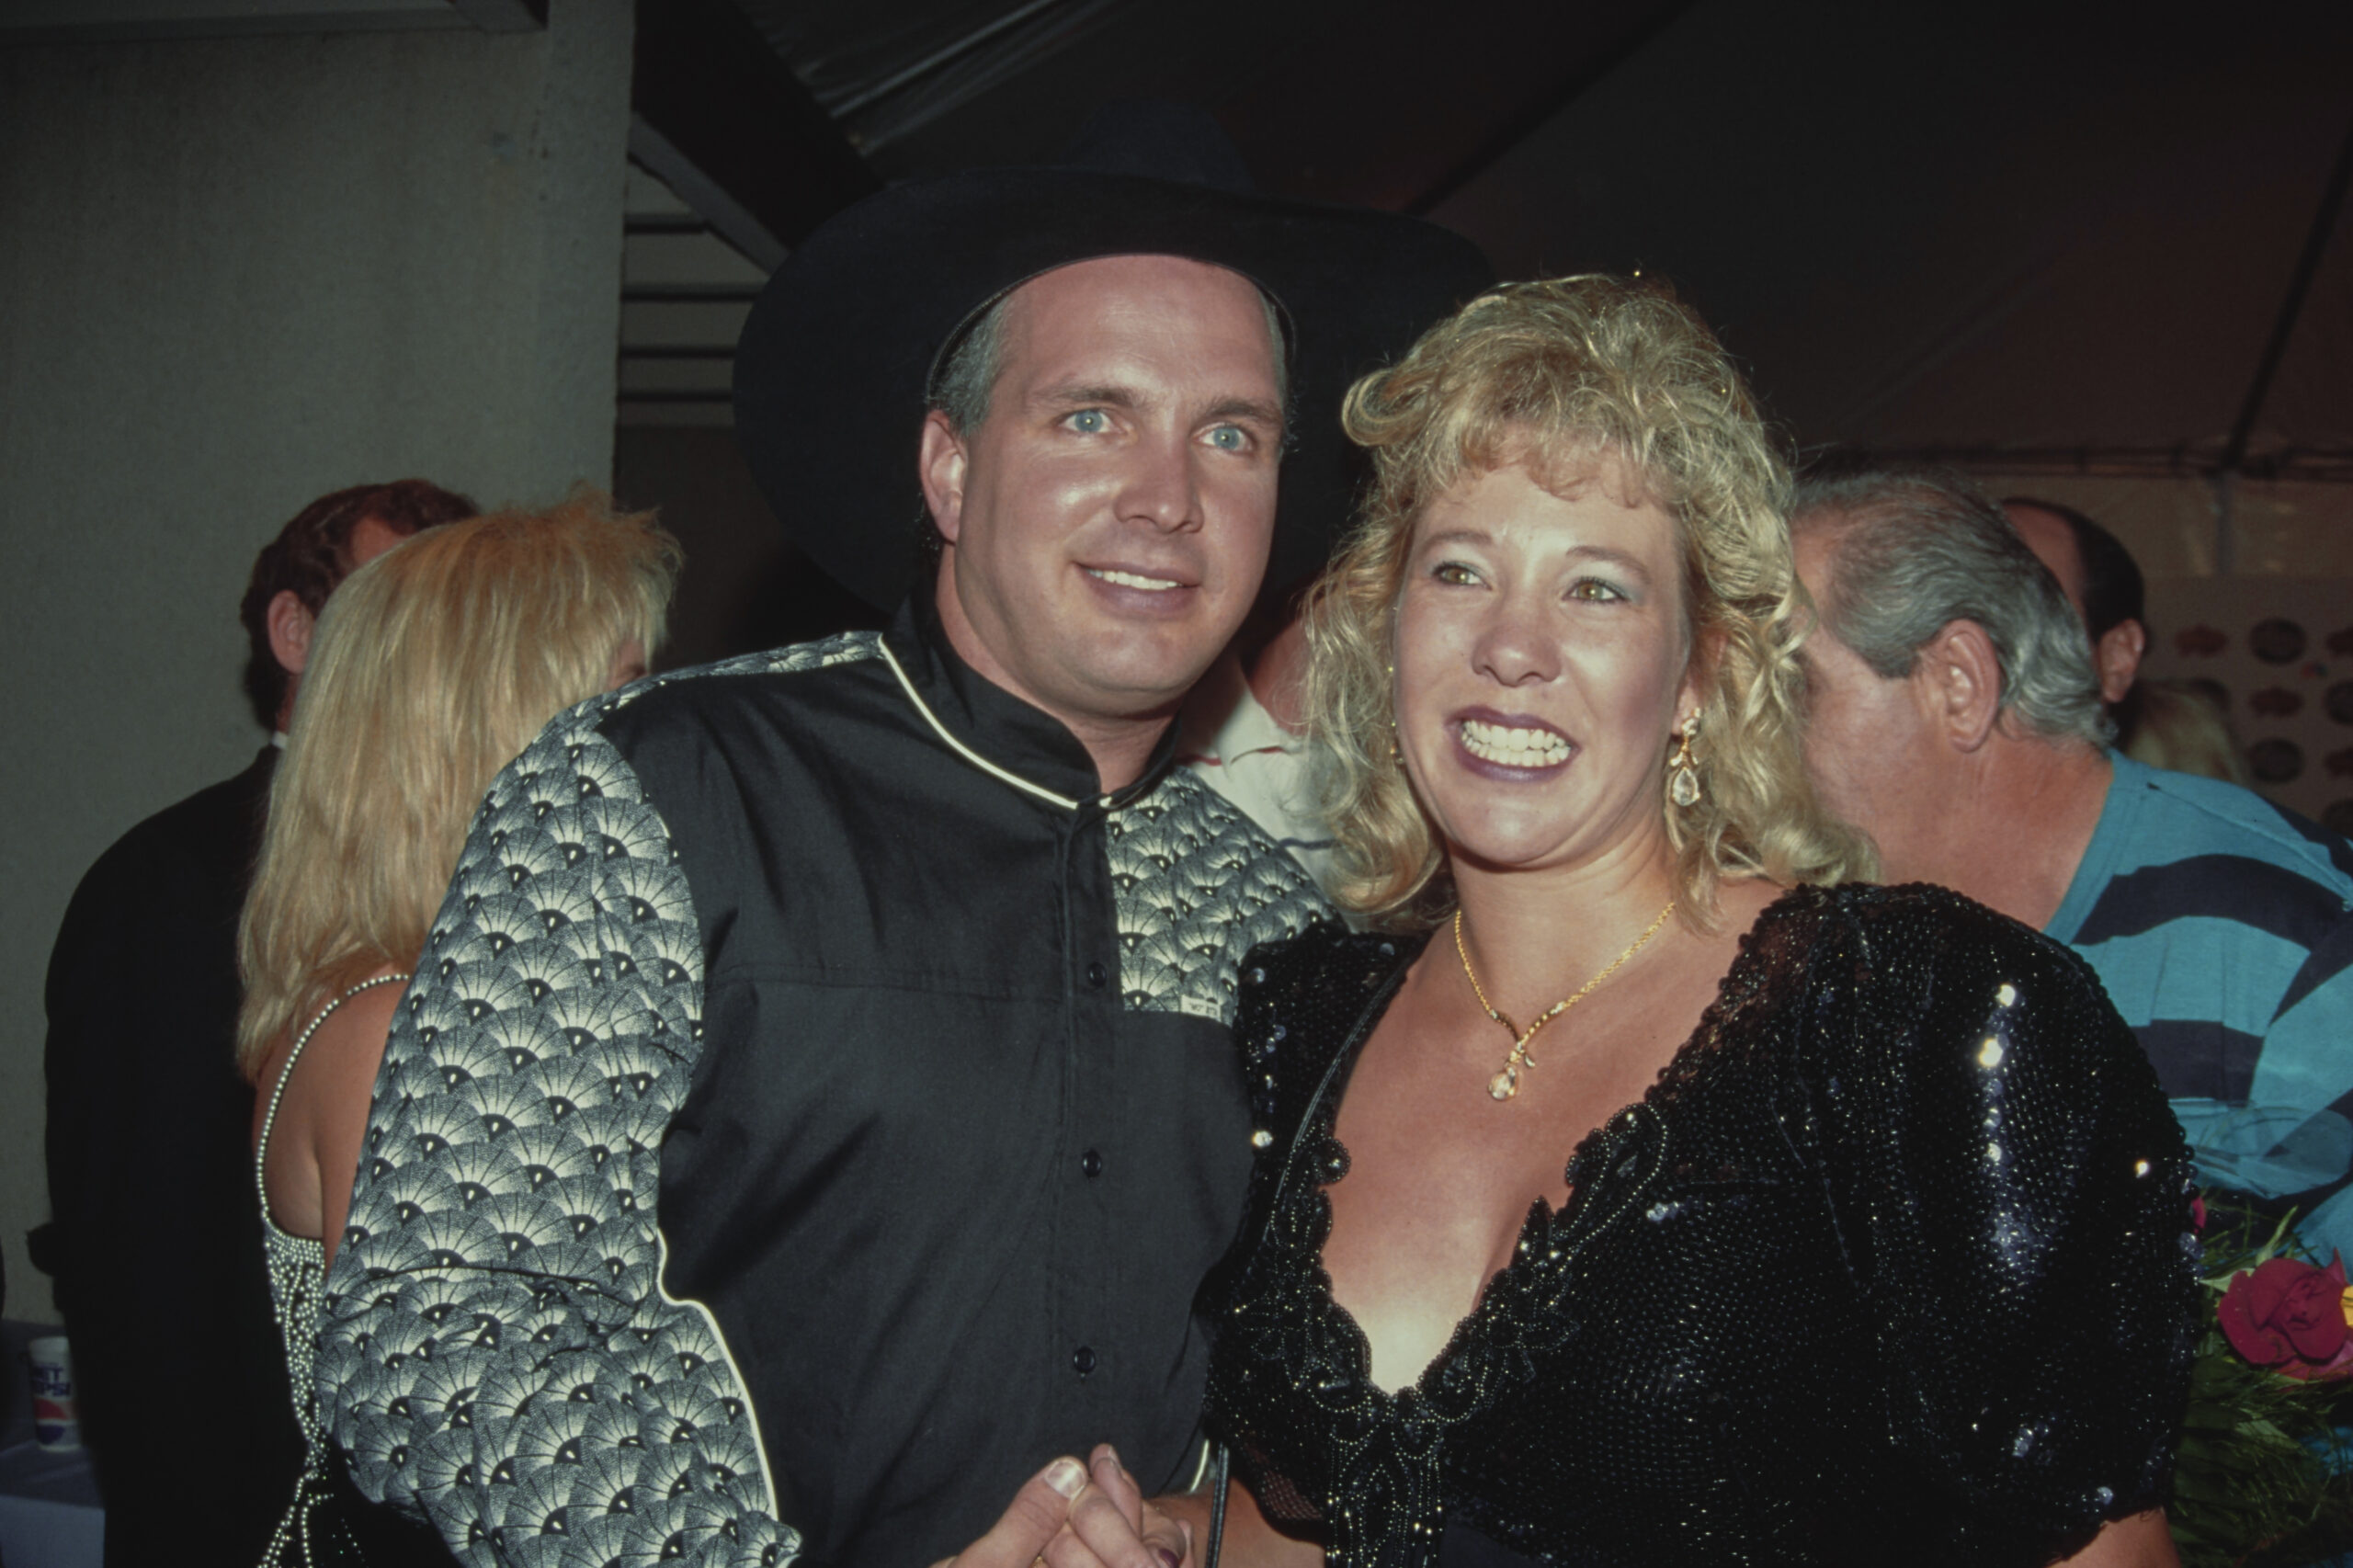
pixel 1112 1526
pixel 1067 1518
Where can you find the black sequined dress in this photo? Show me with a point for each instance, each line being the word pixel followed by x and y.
pixel 1892 1266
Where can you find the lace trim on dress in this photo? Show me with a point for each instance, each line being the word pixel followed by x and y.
pixel 296 1272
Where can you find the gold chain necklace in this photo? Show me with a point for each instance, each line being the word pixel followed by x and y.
pixel 1505 1084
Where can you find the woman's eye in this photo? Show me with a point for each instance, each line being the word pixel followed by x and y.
pixel 1453 574
pixel 1593 588
pixel 1089 422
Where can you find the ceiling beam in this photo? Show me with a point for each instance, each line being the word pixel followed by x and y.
pixel 723 121
pixel 2283 327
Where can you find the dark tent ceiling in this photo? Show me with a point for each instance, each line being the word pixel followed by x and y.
pixel 1930 231
pixel 1385 102
pixel 2028 235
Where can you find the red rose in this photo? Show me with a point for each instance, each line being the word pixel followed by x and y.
pixel 2289 1316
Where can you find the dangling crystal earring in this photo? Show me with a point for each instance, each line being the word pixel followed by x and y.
pixel 1683 774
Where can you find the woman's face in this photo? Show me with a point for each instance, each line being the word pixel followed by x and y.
pixel 1540 663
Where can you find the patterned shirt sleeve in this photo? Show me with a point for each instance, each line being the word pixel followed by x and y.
pixel 498 1352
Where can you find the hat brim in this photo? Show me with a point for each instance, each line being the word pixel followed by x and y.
pixel 832 372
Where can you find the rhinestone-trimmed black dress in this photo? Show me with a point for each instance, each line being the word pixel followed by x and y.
pixel 1892 1266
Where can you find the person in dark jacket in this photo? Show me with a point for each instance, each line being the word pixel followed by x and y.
pixel 816 1107
pixel 155 1236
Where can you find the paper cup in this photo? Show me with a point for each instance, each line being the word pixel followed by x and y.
pixel 55 1426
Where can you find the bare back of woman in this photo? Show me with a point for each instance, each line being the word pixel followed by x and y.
pixel 312 1153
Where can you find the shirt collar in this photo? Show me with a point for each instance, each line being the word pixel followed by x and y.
pixel 1223 718
pixel 999 733
pixel 2127 781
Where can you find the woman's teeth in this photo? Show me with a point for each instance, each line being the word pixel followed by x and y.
pixel 1511 747
pixel 1129 579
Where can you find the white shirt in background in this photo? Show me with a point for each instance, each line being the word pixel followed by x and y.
pixel 1227 736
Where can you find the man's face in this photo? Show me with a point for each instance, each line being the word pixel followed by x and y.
pixel 1869 748
pixel 291 622
pixel 1108 523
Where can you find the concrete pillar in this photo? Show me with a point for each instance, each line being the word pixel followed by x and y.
pixel 239 273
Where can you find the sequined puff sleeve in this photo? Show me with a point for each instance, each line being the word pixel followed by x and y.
pixel 2011 1193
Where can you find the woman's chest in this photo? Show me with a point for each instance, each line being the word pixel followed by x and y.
pixel 1692 1345
pixel 1682 1340
pixel 1433 1181
pixel 1692 1281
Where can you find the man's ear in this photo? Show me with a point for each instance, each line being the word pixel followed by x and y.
pixel 289 623
pixel 2117 656
pixel 1958 681
pixel 942 463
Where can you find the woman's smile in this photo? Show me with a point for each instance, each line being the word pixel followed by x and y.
pixel 1512 745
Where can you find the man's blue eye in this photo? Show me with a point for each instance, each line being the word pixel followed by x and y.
pixel 1090 422
pixel 1229 439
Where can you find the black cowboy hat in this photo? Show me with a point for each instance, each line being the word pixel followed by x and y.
pixel 833 369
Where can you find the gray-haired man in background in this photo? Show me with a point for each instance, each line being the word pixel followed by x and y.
pixel 1956 717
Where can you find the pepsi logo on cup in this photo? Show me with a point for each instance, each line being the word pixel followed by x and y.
pixel 54 1423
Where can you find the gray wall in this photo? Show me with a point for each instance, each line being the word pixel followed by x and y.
pixel 238 273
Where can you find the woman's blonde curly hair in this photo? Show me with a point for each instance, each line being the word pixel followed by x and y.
pixel 1573 375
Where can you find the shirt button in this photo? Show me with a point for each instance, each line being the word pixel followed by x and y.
pixel 1082 1361
pixel 1091 1163
pixel 1096 975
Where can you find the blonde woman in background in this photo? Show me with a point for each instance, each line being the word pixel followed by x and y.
pixel 432 667
pixel 1643 1191
pixel 2178 726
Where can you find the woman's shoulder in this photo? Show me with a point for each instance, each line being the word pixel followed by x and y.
pixel 1326 970
pixel 1900 906
pixel 1322 949
pixel 1938 989
pixel 1300 999
pixel 1907 935
pixel 344 1050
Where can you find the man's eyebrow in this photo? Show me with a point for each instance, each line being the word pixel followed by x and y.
pixel 1073 394
pixel 1244 408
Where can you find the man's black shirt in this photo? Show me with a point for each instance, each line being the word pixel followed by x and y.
pixel 822 1102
